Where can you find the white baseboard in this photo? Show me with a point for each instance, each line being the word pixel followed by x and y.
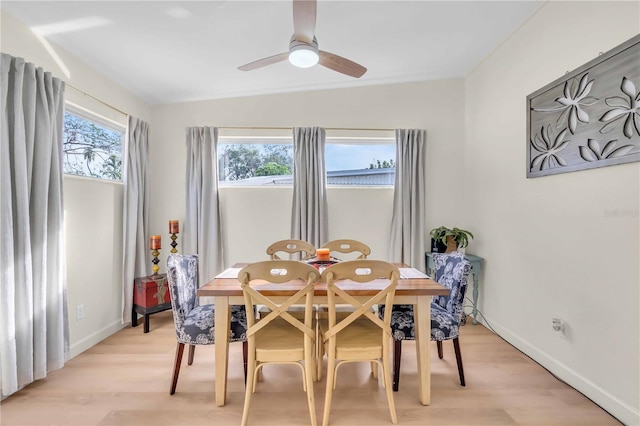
pixel 93 339
pixel 619 409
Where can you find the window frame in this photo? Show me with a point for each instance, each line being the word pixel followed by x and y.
pixel 364 140
pixel 288 140
pixel 95 118
pixel 252 140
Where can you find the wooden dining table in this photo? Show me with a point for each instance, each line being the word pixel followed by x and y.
pixel 226 290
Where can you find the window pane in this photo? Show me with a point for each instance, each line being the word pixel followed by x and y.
pixel 255 163
pixel 362 164
pixel 91 149
pixel 348 162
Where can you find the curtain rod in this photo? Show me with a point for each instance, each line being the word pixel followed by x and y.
pixel 289 128
pixel 96 99
pixel 237 127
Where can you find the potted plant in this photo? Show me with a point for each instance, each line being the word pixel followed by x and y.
pixel 447 240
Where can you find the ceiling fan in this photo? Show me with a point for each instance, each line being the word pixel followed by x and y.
pixel 303 47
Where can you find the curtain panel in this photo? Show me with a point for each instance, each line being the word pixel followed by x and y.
pixel 135 212
pixel 408 220
pixel 34 335
pixel 309 213
pixel 202 229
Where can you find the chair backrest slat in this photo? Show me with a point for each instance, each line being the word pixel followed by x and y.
pixel 298 247
pixel 349 246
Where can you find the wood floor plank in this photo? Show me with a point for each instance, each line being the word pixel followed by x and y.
pixel 124 380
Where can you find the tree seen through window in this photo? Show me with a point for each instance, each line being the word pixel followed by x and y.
pixel 90 149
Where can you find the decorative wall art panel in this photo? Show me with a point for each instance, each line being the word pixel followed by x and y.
pixel 588 118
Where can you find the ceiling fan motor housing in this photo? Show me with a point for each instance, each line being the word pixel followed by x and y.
pixel 302 54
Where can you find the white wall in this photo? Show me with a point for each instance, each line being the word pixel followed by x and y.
pixel 93 222
pixel 93 208
pixel 249 227
pixel 550 248
pixel 253 218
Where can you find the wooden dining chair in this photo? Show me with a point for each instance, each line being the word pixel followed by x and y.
pixel 352 248
pixel 279 337
pixel 361 336
pixel 293 247
pixel 194 323
pixel 348 246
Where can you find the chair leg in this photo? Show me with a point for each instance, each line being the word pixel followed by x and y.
pixel 319 357
pixel 331 366
pixel 316 359
pixel 397 357
pixel 439 345
pixel 249 387
pixel 245 352
pixel 456 347
pixel 192 351
pixel 309 372
pixel 317 362
pixel 176 368
pixel 386 365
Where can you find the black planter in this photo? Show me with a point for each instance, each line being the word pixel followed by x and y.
pixel 437 246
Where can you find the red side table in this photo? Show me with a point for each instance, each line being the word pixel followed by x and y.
pixel 150 295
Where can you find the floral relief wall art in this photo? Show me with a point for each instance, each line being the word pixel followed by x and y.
pixel 588 118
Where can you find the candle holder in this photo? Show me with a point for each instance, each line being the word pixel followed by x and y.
pixel 174 228
pixel 155 244
pixel 155 261
pixel 173 244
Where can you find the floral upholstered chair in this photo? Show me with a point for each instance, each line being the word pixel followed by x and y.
pixel 452 271
pixel 194 323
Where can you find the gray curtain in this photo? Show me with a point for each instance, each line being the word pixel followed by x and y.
pixel 136 257
pixel 34 335
pixel 202 230
pixel 408 222
pixel 309 217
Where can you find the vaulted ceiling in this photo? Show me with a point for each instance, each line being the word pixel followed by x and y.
pixel 175 51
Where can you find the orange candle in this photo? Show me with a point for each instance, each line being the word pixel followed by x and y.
pixel 174 227
pixel 322 254
pixel 156 242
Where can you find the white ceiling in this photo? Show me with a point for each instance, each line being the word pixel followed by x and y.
pixel 175 51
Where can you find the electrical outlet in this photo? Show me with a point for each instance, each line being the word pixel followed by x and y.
pixel 559 325
pixel 79 312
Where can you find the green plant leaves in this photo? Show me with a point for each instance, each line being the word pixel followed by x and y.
pixel 461 236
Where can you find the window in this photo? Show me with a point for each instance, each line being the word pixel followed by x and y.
pixel 91 146
pixel 255 161
pixel 269 161
pixel 360 162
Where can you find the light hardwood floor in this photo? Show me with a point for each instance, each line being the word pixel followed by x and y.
pixel 125 380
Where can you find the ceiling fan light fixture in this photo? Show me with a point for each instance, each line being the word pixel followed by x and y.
pixel 303 56
pixel 303 46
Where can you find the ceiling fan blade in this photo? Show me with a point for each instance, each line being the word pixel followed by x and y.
pixel 340 64
pixel 304 20
pixel 265 61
